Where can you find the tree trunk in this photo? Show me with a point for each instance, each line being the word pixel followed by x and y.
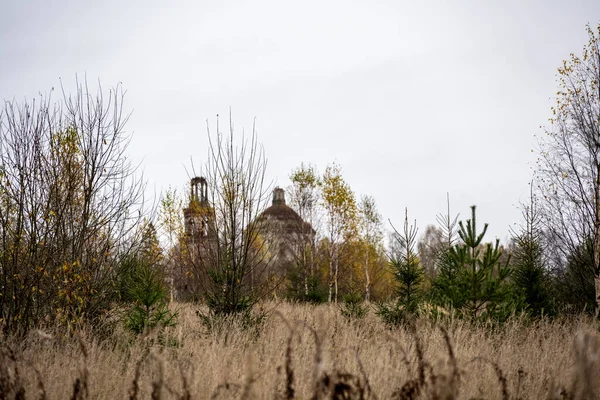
pixel 597 268
pixel 367 278
pixel 312 259
pixel 306 286
pixel 597 200
pixel 304 268
pixel 597 241
pixel 597 287
pixel 336 261
pixel 330 278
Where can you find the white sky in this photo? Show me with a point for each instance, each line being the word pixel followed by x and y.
pixel 412 98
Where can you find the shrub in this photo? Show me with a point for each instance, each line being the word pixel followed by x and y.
pixel 393 314
pixel 297 285
pixel 144 288
pixel 353 307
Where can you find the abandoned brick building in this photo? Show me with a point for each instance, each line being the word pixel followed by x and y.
pixel 281 229
pixel 285 230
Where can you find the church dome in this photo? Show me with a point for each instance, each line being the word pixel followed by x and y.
pixel 286 218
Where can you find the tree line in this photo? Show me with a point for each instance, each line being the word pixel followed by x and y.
pixel 77 237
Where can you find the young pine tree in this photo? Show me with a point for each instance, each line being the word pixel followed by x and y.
pixel 529 264
pixel 143 286
pixel 409 277
pixel 472 278
pixel 147 293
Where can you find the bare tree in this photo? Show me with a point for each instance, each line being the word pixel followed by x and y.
pixel 236 260
pixel 70 205
pixel 568 173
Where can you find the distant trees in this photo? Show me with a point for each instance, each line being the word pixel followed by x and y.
pixel 70 203
pixel 371 234
pixel 568 172
pixel 346 253
pixel 304 192
pixel 170 228
pixel 429 248
pixel 304 198
pixel 340 216
pixel 72 219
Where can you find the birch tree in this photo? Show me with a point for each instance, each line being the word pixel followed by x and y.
pixel 304 199
pixel 340 215
pixel 370 226
pixel 568 173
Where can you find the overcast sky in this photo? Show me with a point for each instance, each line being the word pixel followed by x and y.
pixel 412 99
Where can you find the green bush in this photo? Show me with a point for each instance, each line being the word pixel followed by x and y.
pixel 394 314
pixel 353 307
pixel 296 288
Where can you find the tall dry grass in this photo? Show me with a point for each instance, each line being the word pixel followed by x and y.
pixel 304 352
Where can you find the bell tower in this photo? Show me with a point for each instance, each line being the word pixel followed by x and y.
pixel 199 215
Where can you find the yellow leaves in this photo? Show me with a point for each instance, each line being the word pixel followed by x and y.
pixel 338 196
pixel 305 177
pixel 566 68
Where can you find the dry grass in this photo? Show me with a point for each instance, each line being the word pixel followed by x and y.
pixel 305 352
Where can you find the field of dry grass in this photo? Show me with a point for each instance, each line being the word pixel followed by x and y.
pixel 304 352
